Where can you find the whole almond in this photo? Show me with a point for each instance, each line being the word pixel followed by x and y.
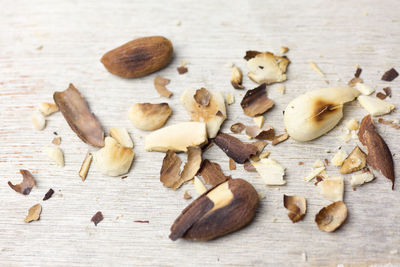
pixel 139 57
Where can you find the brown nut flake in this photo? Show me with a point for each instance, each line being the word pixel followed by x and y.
pixel 256 102
pixel 171 167
pixel 354 81
pixel 389 122
pixel 284 49
pixel 191 167
pixel 139 57
pixel 236 79
pixel 247 166
pixel 388 91
pixel 260 147
pixel 232 164
pixel 220 211
pixel 182 70
pixel 331 217
pixel 212 173
pixel 265 133
pixel 390 75
pixel 280 138
pixel 237 127
pixel 85 166
pixel 202 97
pixel 76 112
pixel 356 161
pixel 98 217
pixel 33 213
pixel 358 72
pixel 25 187
pixel 379 156
pixel 149 117
pixel 187 195
pixel 234 148
pixel 297 207
pixel 159 84
pixel 381 95
pixel 48 194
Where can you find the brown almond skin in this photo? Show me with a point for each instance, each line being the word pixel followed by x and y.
pixel 139 57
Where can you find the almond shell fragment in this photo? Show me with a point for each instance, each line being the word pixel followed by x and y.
pixel 212 173
pixel 297 207
pixel 159 84
pixel 331 217
pixel 33 213
pixel 255 102
pixel 28 182
pixel 234 148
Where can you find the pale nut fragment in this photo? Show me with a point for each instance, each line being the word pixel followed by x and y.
pixel 331 217
pixel 259 121
pixel 85 166
pixel 56 141
pixel 159 84
pixel 364 89
pixel 318 164
pixel 38 121
pixel 177 137
pixel 297 207
pixel 267 68
pixel 199 186
pixel 236 79
pixel 113 159
pixel 121 135
pixel 315 68
pixel 55 154
pixel 332 188
pixel 356 161
pixel 314 173
pixel 374 105
pixel 230 98
pixel 280 138
pixel 316 112
pixel 213 114
pixel 281 89
pixel 33 213
pixel 47 108
pixel 339 158
pixel 149 117
pixel 352 124
pixel 270 171
pixel 284 49
pixel 358 179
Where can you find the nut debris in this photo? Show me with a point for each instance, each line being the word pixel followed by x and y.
pixel 315 68
pixel 297 207
pixel 379 156
pixel 159 84
pixel 354 81
pixel 352 124
pixel 237 127
pixel 318 164
pixel 234 148
pixel 33 213
pixel 205 106
pixel 187 195
pixel 259 121
pixel 364 89
pixel 248 166
pixel 177 137
pixel 260 147
pixel 98 217
pixel 389 122
pixel 171 167
pixel 314 173
pixel 390 75
pixel 236 79
pixel 85 166
pixel 56 155
pixel 199 186
pixel 279 139
pixel 182 70
pixel 139 57
pixel 47 108
pixel 388 91
pixel 48 194
pixel 270 171
pixel 339 158
pixel 358 179
pixel 356 161
pixel 255 102
pixel 38 121
pixel 25 187
pixel 79 117
pixel 375 106
pixel 284 49
pixel 121 135
pixel 212 173
pixel 267 68
pixel 149 117
pixel 281 89
pixel 332 189
pixel 265 133
pixel 222 210
pixel 358 72
pixel 316 112
pixel 232 164
pixel 192 165
pixel 113 159
pixel 331 217
pixel 56 141
pixel 230 98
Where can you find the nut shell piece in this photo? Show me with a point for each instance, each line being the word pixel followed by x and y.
pixel 149 117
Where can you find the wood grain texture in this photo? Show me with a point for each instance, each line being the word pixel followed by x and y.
pixel 73 35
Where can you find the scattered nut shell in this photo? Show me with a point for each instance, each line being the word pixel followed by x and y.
pixel 356 161
pixel 121 135
pixel 270 171
pixel 390 75
pixel 237 127
pixel 331 217
pixel 280 138
pixel 38 121
pixel 267 68
pixel 297 207
pixel 232 164
pixel 314 173
pixel 25 187
pixel 212 173
pixel 187 195
pixel 318 164
pixel 339 158
pixel 113 159
pixel 170 170
pixel 56 155
pixel 375 106
pixel 236 79
pixel 352 124
pixel 159 84
pixel 284 49
pixel 265 133
pixel 234 148
pixel 255 102
pixel 56 141
pixel 149 117
pixel 33 213
pixel 85 166
pixel 47 108
pixel 98 217
pixel 332 189
pixel 230 98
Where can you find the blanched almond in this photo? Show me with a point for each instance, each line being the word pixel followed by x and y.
pixel 358 179
pixel 121 135
pixel 149 117
pixel 339 158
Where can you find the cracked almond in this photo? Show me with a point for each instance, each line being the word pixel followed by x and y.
pixel 280 138
pixel 38 121
pixel 358 179
pixel 170 170
pixel 270 171
pixel 297 207
pixel 332 189
pixel 375 106
pixel 236 79
pixel 55 154
pixel 255 102
pixel 212 173
pixel 149 117
pixel 331 217
pixel 265 133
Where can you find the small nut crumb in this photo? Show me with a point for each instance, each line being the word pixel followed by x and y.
pixel 230 98
pixel 317 69
pixel 261 195
pixel 56 141
pixel 199 186
pixel 281 89
pixel 38 121
pixel 236 79
pixel 264 155
pixel 318 164
pixel 47 108
pixel 284 49
pixel 33 213
pixel 187 195
pixel 352 124
pixel 314 173
pixel 339 158
pixel 259 121
pixel 85 166
pixel 56 155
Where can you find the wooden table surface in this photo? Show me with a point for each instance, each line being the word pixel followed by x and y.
pixel 45 45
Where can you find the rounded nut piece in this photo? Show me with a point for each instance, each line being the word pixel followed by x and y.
pixel 139 57
pixel 149 117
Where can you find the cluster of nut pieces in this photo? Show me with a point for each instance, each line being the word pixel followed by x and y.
pixel 227 204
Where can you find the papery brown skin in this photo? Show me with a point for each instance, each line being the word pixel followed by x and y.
pixel 250 54
pixel 212 173
pixel 25 187
pixel 237 127
pixel 331 217
pixel 202 97
pixel 170 170
pixel 297 207
pixel 379 156
pixel 191 167
pixel 76 112
pixel 255 102
pixel 197 223
pixel 139 57
pixel 234 148
pixel 98 217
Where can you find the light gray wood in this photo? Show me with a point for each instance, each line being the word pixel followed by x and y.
pixel 74 35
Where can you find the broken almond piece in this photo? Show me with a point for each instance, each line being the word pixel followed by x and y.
pixel 56 141
pixel 56 155
pixel 332 189
pixel 113 159
pixel 33 213
pixel 121 135
pixel 318 164
pixel 149 117
pixel 267 68
pixel 85 166
pixel 314 173
pixel 159 84
pixel 38 121
pixel 281 89
pixel 260 147
pixel 191 167
pixel 255 102
pixel 284 49
pixel 79 117
pixel 279 139
pixel 25 187
pixel 234 148
pixel 199 186
pixel 264 155
pixel 213 114
pixel 182 70
pixel 388 91
pixel 270 171
pixel 237 127
pixel 177 137
pixel 358 179
pixel 339 158
pixel 380 95
pixel 352 124
pixel 230 98
pixel 315 68
pixel 331 217
pixel 354 81
pixel 212 173
pixel 232 164
pixel 47 108
pixel 379 156
pixel 364 89
pixel 236 79
pixel 265 133
pixel 356 161
pixel 297 207
pixel 171 167
pixel 187 195
pixel 375 106
pixel 390 75
pixel 259 121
